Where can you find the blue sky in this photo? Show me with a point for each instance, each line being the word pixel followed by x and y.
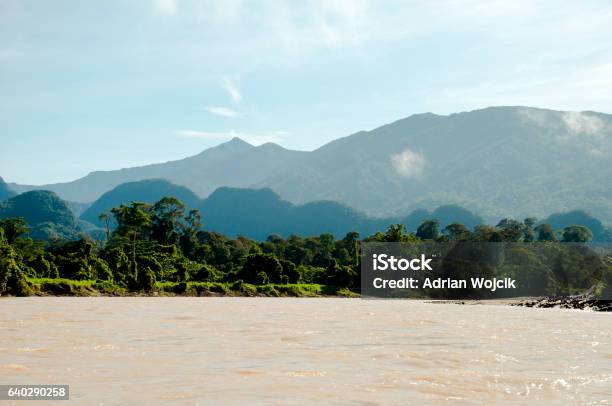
pixel 103 85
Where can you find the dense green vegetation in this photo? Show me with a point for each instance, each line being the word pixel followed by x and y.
pixel 162 248
pixel 49 217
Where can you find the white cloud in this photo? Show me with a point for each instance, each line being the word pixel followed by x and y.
pixel 409 164
pixel 222 111
pixel 252 138
pixel 580 123
pixel 165 7
pixel 580 130
pixel 232 89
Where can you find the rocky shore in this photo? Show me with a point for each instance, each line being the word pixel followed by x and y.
pixel 568 303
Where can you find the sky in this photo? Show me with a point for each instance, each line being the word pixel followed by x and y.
pixel 110 84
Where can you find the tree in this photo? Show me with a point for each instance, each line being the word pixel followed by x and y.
pixel 146 279
pixel 134 219
pixel 395 233
pixel 290 271
pixel 189 233
pixel 340 275
pixel 428 230
pixel 456 231
pixel 351 243
pixel 167 220
pixel 487 233
pixel 545 233
pixel 528 231
pixel 577 233
pixel 257 263
pixel 511 230
pixel 14 228
pixel 105 218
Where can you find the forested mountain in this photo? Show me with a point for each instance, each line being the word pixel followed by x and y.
pixel 48 216
pixel 445 215
pixel 147 191
pixel 258 213
pixel 254 213
pixel 5 191
pixel 498 162
pixel 559 221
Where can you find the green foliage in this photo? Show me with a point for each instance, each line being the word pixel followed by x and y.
pixel 428 230
pixel 205 273
pixel 146 279
pixel 576 233
pixel 49 216
pixel 341 275
pixel 14 228
pixel 160 248
pixel 545 233
pixel 268 290
pixel 259 268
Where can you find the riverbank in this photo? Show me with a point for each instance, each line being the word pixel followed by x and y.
pixel 89 288
pixel 69 287
pixel 568 303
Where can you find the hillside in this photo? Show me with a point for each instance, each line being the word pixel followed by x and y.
pixel 5 191
pixel 561 220
pixel 48 216
pixel 234 163
pixel 258 213
pixel 147 191
pixel 498 162
pixel 254 213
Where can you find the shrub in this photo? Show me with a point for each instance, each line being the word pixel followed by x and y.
pixel 256 264
pixel 268 290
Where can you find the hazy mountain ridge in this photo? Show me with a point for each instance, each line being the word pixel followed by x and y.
pixel 498 161
pixel 255 213
pixel 235 163
pixel 258 213
pixel 5 191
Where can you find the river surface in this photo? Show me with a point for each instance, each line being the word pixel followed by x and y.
pixel 146 351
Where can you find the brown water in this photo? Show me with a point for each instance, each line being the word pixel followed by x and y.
pixel 137 351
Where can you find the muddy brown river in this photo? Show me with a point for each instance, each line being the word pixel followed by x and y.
pixel 199 351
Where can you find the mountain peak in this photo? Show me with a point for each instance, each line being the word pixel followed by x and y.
pixel 271 146
pixel 236 144
pixel 237 141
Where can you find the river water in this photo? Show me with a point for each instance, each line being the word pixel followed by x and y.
pixel 137 351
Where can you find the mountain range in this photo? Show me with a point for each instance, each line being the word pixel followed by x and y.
pixel 254 213
pixel 498 162
pixel 258 213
